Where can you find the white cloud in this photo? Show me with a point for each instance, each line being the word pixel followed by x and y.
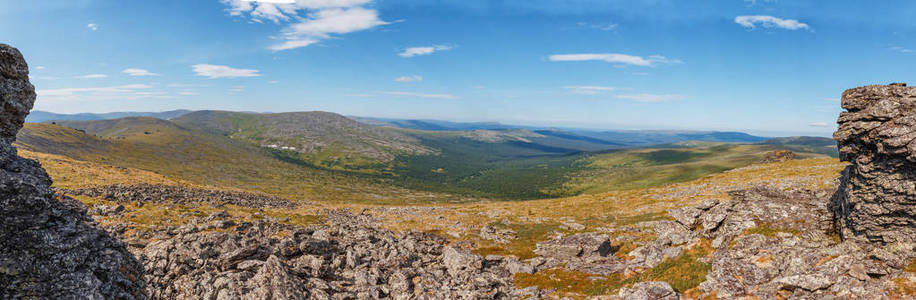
pixel 751 22
pixel 92 76
pixel 92 26
pixel 901 49
pixel 409 78
pixel 188 93
pixel 310 20
pixel 40 68
pixel 273 81
pixel 617 58
pixel 138 72
pixel 415 51
pixel 652 97
pixel 237 89
pixel 120 92
pixel 217 71
pixel 819 124
pixel 421 95
pixel 589 89
pixel 602 27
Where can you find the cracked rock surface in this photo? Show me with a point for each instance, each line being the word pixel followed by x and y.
pixel 49 248
pixel 876 198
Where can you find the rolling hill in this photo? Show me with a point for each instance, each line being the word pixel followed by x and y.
pixel 196 156
pixel 324 139
pixel 327 156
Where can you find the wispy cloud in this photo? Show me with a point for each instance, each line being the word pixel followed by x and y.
pixel 598 26
pixel 309 21
pixel 819 124
pixel 138 72
pixel 751 22
pixel 427 50
pixel 409 78
pixel 901 49
pixel 652 98
pixel 120 92
pixel 188 93
pixel 589 89
pixel 237 89
pixel 39 67
pixel 218 71
pixel 91 76
pixel 617 58
pixel 421 95
pixel 92 26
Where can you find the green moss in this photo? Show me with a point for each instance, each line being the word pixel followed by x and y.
pixel 769 230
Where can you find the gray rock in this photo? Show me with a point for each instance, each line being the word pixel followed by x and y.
pixel 810 282
pixel 574 246
pixel 672 233
pixel 350 258
pixel 49 247
pixel 652 290
pixel 877 135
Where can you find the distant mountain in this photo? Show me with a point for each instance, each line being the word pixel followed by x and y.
pixel 813 144
pixel 320 138
pixel 38 116
pixel 591 140
pixel 434 125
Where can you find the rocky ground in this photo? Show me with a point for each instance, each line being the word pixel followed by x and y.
pixel 158 193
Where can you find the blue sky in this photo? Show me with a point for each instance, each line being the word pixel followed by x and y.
pixel 766 67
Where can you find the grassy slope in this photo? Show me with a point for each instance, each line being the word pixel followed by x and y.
pixel 650 167
pixel 194 156
pixel 322 139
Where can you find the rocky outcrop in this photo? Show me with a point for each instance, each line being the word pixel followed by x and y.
pixel 349 259
pixel 48 246
pixel 876 198
pixel 157 193
pixel 773 244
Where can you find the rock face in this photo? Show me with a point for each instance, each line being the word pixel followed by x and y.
pixel 48 248
pixel 876 198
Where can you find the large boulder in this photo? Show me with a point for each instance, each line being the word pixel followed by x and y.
pixel 876 198
pixel 48 247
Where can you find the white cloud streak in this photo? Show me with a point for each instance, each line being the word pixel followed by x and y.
pixel 218 71
pixel 819 124
pixel 92 26
pixel 421 95
pixel 138 72
pixel 409 78
pixel 652 98
pixel 427 50
pixel 120 92
pixel 91 76
pixel 901 49
pixel 309 21
pixel 616 58
pixel 751 22
pixel 589 89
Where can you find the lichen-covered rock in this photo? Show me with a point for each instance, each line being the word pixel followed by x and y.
pixel 876 198
pixel 351 258
pixel 652 290
pixel 48 247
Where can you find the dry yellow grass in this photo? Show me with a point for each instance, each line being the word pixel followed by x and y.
pixel 71 174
